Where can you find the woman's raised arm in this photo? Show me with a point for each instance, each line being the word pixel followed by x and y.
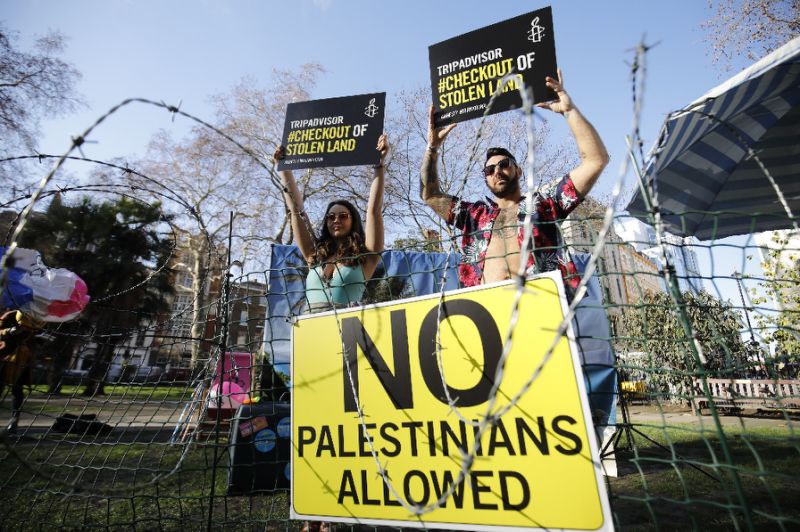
pixel 301 225
pixel 374 222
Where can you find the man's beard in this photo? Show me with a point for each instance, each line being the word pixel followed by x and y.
pixel 510 188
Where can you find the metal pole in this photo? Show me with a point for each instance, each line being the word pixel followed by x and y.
pixel 753 342
pixel 738 277
pixel 222 346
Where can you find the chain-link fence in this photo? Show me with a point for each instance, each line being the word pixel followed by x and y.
pixel 166 405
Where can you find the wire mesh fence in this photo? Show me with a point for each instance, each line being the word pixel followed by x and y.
pixel 696 444
pixel 167 405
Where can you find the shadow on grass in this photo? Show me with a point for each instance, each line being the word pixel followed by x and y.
pixel 656 489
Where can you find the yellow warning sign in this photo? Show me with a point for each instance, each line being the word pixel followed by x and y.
pixel 386 429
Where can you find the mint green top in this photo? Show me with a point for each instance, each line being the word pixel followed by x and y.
pixel 346 287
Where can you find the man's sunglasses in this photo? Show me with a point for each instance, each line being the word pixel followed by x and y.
pixel 489 168
pixel 333 216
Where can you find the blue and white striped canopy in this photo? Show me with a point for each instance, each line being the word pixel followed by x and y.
pixel 705 182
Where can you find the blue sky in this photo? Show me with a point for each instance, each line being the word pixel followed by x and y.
pixel 185 51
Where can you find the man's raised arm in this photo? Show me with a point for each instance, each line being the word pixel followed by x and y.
pixel 430 189
pixel 594 156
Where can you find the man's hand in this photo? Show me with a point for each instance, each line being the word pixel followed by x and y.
pixel 436 135
pixel 594 156
pixel 564 103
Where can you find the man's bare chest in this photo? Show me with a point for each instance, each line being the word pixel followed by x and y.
pixel 505 231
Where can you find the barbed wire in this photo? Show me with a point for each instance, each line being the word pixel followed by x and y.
pixel 197 407
pixel 118 190
pixel 679 308
pixel 489 417
pixel 121 189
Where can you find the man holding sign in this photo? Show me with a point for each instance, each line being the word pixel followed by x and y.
pixel 493 231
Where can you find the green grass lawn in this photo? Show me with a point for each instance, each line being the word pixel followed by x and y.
pixel 149 486
pixel 119 398
pixel 131 391
pixel 127 487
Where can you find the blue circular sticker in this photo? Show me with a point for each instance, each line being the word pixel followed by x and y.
pixel 285 428
pixel 265 441
pixel 288 471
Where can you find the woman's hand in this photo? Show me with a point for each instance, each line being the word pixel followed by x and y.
pixel 280 153
pixel 383 147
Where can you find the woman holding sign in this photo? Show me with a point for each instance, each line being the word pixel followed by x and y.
pixel 347 252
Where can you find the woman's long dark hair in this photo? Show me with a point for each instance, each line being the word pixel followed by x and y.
pixel 351 250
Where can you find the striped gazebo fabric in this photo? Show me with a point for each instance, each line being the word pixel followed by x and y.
pixel 705 182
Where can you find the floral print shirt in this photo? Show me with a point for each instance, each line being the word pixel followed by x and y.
pixel 551 203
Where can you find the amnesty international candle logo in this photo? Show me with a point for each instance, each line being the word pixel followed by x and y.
pixel 333 132
pixel 372 109
pixel 536 33
pixel 502 58
pixel 374 435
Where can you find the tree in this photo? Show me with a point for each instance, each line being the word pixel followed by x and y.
pixel 653 328
pixel 781 286
pixel 750 28
pixel 34 85
pixel 216 177
pixel 273 384
pixel 118 249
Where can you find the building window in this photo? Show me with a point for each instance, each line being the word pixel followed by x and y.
pixel 182 310
pixel 181 302
pixel 184 279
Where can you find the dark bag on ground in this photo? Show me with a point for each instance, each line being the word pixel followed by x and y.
pixel 82 425
pixel 259 448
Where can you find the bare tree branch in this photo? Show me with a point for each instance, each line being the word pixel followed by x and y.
pixel 749 28
pixel 34 85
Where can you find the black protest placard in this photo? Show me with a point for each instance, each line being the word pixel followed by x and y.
pixel 333 132
pixel 466 70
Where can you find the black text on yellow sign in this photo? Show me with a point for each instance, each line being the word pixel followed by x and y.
pixel 536 466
